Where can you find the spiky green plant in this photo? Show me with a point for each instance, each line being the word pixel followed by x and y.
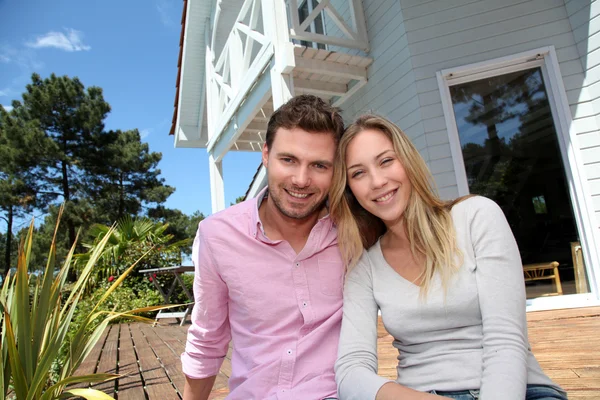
pixel 35 324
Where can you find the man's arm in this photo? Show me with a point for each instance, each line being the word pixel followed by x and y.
pixel 198 389
pixel 209 335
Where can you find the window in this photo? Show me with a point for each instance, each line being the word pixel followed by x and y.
pixel 507 132
pixel 317 26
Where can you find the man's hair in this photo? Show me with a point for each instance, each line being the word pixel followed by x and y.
pixel 308 112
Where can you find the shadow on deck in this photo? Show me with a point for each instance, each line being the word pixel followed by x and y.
pixel 565 343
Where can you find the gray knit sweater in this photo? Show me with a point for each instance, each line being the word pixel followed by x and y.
pixel 475 337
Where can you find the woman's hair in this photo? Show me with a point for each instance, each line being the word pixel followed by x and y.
pixel 427 218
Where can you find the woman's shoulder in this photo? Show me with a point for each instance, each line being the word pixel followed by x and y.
pixel 474 205
pixel 368 260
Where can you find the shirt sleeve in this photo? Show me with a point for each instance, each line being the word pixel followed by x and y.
pixel 209 335
pixel 356 366
pixel 499 275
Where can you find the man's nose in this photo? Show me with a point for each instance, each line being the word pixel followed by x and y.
pixel 301 178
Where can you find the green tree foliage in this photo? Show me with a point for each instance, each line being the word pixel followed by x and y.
pixel 124 176
pixel 238 200
pixel 181 226
pixel 70 116
pixel 23 164
pixel 131 240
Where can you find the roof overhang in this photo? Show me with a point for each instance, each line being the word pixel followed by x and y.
pixel 188 123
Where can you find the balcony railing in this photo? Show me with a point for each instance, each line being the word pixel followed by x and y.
pixel 253 41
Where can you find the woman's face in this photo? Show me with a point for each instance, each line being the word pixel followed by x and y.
pixel 376 176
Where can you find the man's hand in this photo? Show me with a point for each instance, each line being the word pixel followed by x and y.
pixel 198 389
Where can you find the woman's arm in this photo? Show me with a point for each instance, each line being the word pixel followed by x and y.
pixel 501 289
pixel 356 366
pixel 394 391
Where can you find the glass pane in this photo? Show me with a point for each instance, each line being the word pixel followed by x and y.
pixel 511 155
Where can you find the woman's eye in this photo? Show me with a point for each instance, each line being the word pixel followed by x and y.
pixel 387 160
pixel 356 174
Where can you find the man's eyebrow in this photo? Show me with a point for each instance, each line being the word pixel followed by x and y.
pixel 324 162
pixel 376 157
pixel 288 155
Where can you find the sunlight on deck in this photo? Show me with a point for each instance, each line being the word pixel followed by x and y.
pixel 565 343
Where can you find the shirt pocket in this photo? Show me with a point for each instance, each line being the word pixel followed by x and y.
pixel 331 277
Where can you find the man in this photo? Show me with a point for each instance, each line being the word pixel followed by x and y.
pixel 269 274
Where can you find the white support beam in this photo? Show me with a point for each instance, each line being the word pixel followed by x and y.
pixel 251 137
pixel 257 97
pixel 320 88
pixel 256 127
pixel 217 188
pixel 360 83
pixel 331 68
pixel 189 136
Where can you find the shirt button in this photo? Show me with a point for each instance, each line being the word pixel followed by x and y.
pixel 304 304
pixel 289 351
pixel 297 264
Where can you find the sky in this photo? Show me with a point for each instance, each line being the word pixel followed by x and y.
pixel 129 49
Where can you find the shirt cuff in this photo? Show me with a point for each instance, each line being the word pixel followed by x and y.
pixel 200 368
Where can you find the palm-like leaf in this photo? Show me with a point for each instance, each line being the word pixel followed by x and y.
pixel 34 327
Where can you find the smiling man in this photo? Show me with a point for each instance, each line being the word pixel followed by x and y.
pixel 269 274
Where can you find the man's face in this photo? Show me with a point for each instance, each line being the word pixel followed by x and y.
pixel 299 170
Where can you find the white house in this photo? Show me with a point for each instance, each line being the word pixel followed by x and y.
pixel 501 97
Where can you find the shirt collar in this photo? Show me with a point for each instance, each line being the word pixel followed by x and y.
pixel 257 226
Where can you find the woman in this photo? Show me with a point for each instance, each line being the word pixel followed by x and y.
pixel 446 276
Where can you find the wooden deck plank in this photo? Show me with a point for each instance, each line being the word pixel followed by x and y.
pixel 108 360
pixel 564 342
pixel 158 386
pixel 88 366
pixel 131 385
pixel 170 362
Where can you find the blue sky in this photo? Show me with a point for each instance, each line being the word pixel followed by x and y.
pixel 130 49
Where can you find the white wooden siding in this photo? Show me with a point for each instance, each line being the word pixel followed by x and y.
pixel 584 18
pixel 413 39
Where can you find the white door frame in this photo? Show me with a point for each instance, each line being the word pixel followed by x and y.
pixel 581 198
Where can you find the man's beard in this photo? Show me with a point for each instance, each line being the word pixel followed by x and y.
pixel 291 212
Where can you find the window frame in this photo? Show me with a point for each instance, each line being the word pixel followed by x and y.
pixel 546 59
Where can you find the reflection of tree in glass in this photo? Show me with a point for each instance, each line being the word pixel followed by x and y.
pixel 499 168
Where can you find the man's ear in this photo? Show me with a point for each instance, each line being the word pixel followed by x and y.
pixel 265 155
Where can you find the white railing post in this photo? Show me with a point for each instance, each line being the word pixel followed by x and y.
pixel 276 27
pixel 354 34
pixel 217 187
pixel 210 85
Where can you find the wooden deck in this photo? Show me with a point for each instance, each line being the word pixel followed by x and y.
pixel 564 341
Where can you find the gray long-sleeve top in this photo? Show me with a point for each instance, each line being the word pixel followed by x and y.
pixel 474 337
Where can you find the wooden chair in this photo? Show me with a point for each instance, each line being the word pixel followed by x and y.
pixel 541 271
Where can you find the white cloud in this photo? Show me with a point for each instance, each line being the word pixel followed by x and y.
pixel 6 92
pixel 7 108
pixel 165 11
pixel 4 58
pixel 71 40
pixel 144 133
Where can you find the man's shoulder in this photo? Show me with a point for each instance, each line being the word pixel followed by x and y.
pixel 236 217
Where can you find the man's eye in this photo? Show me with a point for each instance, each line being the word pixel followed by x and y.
pixel 320 166
pixel 286 160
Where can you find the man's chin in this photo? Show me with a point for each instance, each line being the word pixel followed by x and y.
pixel 299 212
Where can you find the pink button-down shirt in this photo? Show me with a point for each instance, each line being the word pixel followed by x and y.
pixel 281 309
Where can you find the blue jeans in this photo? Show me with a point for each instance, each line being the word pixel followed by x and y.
pixel 534 392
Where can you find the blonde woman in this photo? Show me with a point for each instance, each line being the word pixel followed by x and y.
pixel 446 276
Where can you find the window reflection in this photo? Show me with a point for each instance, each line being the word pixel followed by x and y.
pixel 511 155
